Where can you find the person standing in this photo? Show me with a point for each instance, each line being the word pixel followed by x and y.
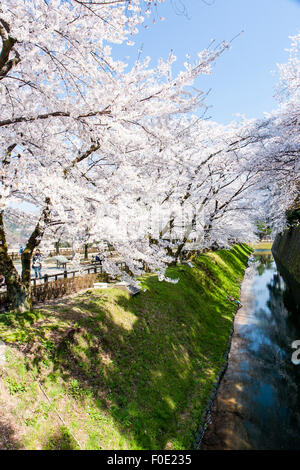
pixel 2 281
pixel 37 264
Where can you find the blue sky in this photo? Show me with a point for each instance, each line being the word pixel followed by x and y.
pixel 243 79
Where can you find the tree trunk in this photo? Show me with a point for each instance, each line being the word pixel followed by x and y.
pixel 18 295
pixel 184 240
pixel 207 230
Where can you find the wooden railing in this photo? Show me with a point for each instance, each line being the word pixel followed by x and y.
pixel 62 252
pixel 66 274
pixel 52 286
pixel 61 287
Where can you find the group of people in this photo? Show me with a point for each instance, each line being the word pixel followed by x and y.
pixel 98 258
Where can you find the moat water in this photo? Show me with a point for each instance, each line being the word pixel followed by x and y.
pixel 258 401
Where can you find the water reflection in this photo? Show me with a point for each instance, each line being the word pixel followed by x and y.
pixel 258 404
pixel 265 261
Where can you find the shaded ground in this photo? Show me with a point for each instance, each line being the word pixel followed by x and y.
pixel 105 371
pixel 8 439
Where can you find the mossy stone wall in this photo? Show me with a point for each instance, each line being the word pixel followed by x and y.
pixel 286 252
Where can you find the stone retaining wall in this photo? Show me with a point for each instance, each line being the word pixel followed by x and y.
pixel 286 252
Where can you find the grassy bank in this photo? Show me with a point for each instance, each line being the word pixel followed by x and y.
pixel 105 371
pixel 262 245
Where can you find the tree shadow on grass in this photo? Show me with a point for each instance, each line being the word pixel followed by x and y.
pixel 8 440
pixel 147 363
pixel 236 255
pixel 61 440
pixel 150 361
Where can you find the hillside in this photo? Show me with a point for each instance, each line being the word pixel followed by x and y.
pixel 17 234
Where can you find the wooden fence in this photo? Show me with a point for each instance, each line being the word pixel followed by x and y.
pixel 61 287
pixel 46 289
pixel 97 268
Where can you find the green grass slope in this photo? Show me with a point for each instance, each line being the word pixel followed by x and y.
pixel 104 370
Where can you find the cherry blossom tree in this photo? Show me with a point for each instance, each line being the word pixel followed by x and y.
pixel 276 146
pixel 76 123
pixel 214 176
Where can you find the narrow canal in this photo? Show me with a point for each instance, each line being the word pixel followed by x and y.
pixel 258 401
